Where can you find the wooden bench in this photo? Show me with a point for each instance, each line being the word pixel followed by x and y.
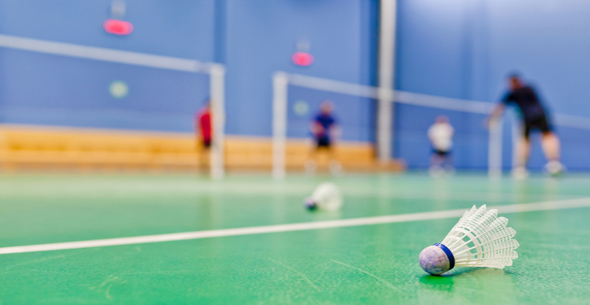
pixel 54 147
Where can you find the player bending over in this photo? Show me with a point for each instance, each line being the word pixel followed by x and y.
pixel 533 117
pixel 441 138
pixel 324 129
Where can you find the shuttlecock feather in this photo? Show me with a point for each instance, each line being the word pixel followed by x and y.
pixel 479 239
pixel 327 196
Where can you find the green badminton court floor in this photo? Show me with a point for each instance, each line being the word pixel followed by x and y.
pixel 369 264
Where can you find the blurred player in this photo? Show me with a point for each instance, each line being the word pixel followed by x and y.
pixel 203 124
pixel 324 128
pixel 441 138
pixel 533 117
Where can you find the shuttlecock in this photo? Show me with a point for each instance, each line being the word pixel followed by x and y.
pixel 479 239
pixel 326 196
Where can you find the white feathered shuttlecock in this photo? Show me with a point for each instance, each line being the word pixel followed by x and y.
pixel 479 239
pixel 326 196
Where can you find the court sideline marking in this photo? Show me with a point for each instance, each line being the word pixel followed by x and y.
pixel 513 208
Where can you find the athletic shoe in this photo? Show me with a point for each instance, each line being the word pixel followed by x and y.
pixel 554 168
pixel 310 167
pixel 336 169
pixel 436 171
pixel 520 173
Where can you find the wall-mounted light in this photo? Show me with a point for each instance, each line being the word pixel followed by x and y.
pixel 117 27
pixel 302 59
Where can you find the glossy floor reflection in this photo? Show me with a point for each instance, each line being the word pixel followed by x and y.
pixel 375 264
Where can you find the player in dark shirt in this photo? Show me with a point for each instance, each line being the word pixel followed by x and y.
pixel 534 117
pixel 324 128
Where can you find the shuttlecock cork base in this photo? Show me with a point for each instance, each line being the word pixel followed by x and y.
pixel 310 204
pixel 479 239
pixel 437 259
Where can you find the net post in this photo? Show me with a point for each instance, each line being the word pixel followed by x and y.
pixel 384 121
pixel 280 81
pixel 517 130
pixel 216 83
pixel 387 23
pixel 495 150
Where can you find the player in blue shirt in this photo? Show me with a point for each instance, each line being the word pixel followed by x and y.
pixel 324 128
pixel 534 117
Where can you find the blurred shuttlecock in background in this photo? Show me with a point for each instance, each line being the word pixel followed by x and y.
pixel 479 239
pixel 326 196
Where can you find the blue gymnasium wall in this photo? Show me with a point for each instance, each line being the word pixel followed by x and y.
pixel 464 49
pixel 548 41
pixel 253 39
pixel 54 90
pixel 454 48
pixel 262 36
pixel 434 56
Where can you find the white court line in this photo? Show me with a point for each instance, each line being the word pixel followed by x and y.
pixel 513 208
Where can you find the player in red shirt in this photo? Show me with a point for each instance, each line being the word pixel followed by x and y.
pixel 204 131
pixel 204 124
